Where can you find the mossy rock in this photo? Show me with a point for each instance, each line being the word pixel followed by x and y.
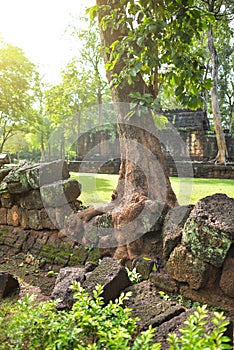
pixel 209 230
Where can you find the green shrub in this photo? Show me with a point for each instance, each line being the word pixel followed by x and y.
pixel 194 335
pixel 133 275
pixel 92 325
pixel 89 325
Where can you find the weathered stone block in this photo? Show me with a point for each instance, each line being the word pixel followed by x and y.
pixel 7 200
pixel 144 266
pixel 21 238
pixel 60 193
pixel 184 267
pixel 53 171
pixel 164 282
pixel 175 325
pixel 13 216
pixel 62 290
pixel 24 218
pixel 74 228
pixel 227 277
pixel 28 177
pixel 8 285
pixel 209 230
pixel 172 228
pixel 31 200
pixel 4 172
pixel 111 275
pixel 48 218
pixel 3 233
pixel 3 216
pixel 78 256
pixel 149 307
pixel 34 220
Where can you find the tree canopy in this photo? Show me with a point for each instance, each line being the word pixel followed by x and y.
pixel 17 75
pixel 171 46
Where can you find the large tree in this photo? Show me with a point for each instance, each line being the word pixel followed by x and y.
pixel 17 75
pixel 131 35
pixel 146 43
pixel 144 192
pixel 223 12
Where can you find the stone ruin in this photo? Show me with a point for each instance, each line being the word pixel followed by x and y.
pixel 189 252
pixel 37 197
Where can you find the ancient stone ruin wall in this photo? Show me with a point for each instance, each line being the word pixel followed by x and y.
pixel 37 197
pixel 197 140
pixel 188 252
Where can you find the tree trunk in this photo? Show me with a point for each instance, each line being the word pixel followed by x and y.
pixel 43 156
pixel 143 193
pixel 140 130
pixel 220 137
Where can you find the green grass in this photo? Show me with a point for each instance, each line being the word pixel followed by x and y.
pixel 189 191
pixel 97 188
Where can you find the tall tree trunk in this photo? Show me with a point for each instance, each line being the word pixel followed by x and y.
pixel 142 130
pixel 220 137
pixel 143 178
pixel 143 193
pixel 43 156
pixel 78 114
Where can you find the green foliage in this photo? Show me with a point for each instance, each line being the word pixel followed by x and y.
pixel 155 42
pixel 133 275
pixel 17 76
pixel 91 324
pixel 194 335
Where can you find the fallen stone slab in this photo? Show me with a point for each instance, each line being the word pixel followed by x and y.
pixel 62 290
pixel 8 285
pixel 111 275
pixel 4 172
pixel 209 230
pixel 149 307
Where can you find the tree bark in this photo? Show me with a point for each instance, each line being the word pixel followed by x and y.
pixel 140 130
pixel 143 193
pixel 220 137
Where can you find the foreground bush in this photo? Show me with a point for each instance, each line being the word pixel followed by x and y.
pixel 91 325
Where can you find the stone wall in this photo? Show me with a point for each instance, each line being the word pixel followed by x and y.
pixel 197 140
pixel 195 120
pixel 202 145
pixel 37 197
pixel 99 142
pixel 47 248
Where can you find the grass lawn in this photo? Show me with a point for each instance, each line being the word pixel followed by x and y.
pixel 97 188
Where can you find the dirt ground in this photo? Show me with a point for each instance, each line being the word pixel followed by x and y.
pixel 32 278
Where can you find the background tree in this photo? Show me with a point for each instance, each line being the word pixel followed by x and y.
pixel 68 106
pixel 89 54
pixel 40 127
pixel 221 10
pixel 224 37
pixel 17 75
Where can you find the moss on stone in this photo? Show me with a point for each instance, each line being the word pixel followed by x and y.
pixel 78 257
pixel 94 255
pixel 207 244
pixel 4 232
